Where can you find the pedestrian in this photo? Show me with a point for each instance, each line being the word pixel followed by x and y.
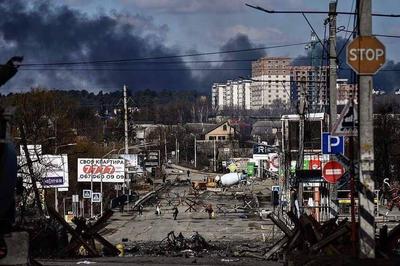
pixel 121 206
pixel 210 211
pixel 158 210
pixel 188 172
pixel 140 209
pixel 176 211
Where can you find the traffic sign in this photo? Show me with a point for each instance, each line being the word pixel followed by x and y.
pixel 332 171
pixel 332 144
pixel 232 167
pixel 75 198
pixel 366 55
pixel 87 193
pixel 347 123
pixel 96 197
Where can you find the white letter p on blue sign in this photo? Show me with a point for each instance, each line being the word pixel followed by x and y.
pixel 332 144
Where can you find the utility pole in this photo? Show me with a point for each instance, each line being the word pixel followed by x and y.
pixel 126 139
pixel 333 210
pixel 300 158
pixel 366 141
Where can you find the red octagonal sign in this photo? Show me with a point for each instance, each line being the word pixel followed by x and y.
pixel 332 171
pixel 366 55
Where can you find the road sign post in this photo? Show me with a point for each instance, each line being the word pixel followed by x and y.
pixel 366 55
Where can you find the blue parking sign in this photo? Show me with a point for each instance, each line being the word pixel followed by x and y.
pixel 332 144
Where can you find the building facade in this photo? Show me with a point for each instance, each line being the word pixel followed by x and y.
pixel 274 81
pixel 346 92
pixel 276 78
pixel 234 94
pixel 271 81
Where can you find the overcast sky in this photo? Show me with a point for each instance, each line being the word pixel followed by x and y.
pixel 80 30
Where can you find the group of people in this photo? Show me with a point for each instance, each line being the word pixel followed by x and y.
pixel 175 211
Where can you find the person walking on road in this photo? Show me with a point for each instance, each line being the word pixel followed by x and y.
pixel 158 210
pixel 176 211
pixel 188 173
pixel 210 211
pixel 140 209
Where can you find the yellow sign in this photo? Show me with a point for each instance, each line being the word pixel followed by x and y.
pixel 232 167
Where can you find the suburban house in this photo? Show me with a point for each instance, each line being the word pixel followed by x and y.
pixel 221 132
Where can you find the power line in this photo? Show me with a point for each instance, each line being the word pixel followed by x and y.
pixel 379 35
pixel 163 57
pixel 175 62
pixel 316 12
pixel 134 69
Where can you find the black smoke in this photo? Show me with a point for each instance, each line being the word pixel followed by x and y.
pixel 43 32
pixel 235 65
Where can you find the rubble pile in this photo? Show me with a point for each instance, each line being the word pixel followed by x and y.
pixel 195 246
pixel 306 241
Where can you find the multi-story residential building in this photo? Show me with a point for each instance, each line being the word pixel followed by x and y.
pixel 276 78
pixel 232 94
pixel 271 81
pixel 314 81
pixel 346 91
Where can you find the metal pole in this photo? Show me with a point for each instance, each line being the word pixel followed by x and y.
pixel 101 187
pixel 332 95
pixel 55 199
pixel 352 197
pixel 176 150
pixel 366 142
pixel 165 147
pixel 195 152
pixel 91 195
pixel 125 131
pixel 215 159
pixel 64 207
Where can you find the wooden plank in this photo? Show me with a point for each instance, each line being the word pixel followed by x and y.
pixel 278 245
pixel 90 232
pixel 280 224
pixel 293 240
pixel 78 237
pixel 327 240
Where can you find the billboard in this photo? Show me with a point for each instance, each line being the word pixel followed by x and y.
pixel 97 170
pixel 131 159
pixel 152 159
pixel 50 170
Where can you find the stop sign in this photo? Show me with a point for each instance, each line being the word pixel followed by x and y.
pixel 332 171
pixel 366 55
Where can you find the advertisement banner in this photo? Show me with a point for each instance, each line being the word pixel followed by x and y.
pixel 105 170
pixel 51 170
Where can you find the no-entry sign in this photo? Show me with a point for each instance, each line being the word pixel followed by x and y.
pixel 332 171
pixel 366 55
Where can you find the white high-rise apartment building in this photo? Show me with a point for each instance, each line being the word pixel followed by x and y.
pixel 231 95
